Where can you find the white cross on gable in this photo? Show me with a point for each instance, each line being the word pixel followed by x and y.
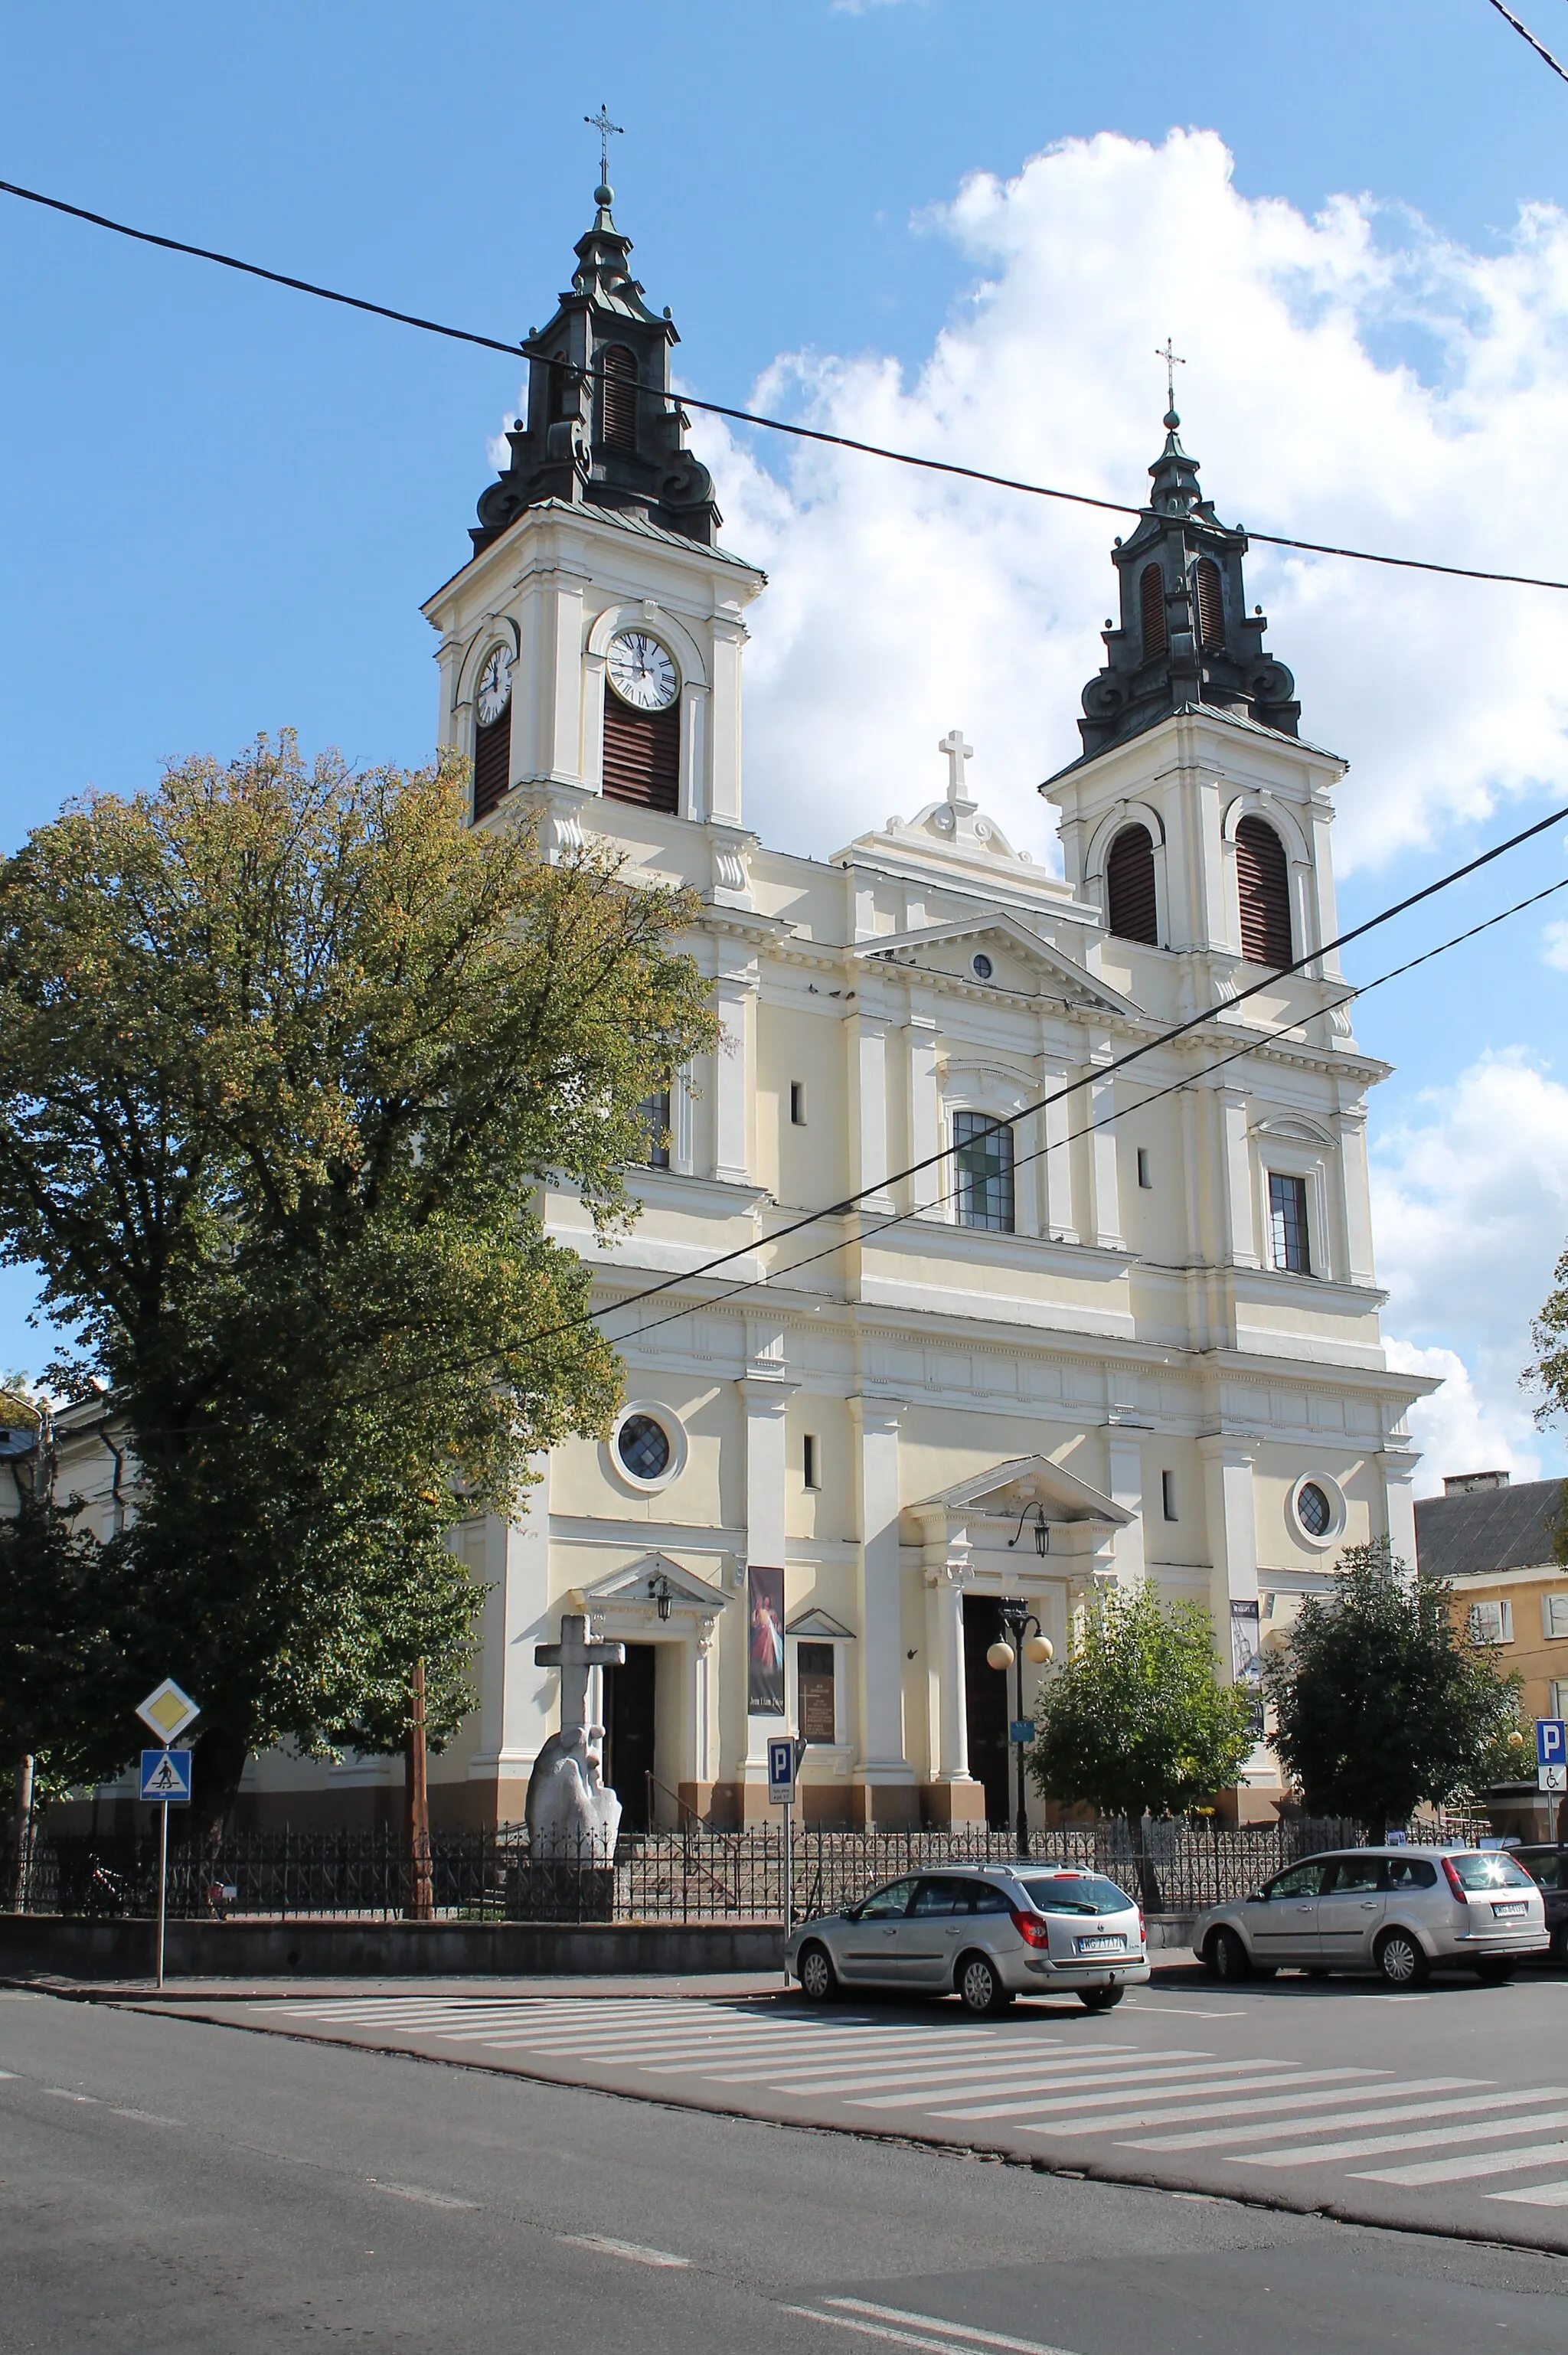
pixel 957 752
pixel 574 1656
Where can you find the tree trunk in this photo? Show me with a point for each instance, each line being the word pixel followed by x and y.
pixel 421 1906
pixel 21 1841
pixel 221 1752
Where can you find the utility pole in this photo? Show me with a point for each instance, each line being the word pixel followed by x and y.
pixel 421 1906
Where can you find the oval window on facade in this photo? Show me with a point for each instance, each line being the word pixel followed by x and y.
pixel 643 1446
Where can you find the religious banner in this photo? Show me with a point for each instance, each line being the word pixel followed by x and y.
pixel 765 1642
pixel 1246 1659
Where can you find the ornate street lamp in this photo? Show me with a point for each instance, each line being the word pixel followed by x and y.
pixel 1022 1641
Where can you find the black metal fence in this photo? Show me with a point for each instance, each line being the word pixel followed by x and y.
pixel 695 1875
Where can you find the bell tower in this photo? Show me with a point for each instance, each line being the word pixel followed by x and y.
pixel 591 645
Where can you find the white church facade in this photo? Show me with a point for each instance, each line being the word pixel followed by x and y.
pixel 1132 1333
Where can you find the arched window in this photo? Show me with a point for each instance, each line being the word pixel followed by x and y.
pixel 620 398
pixel 1130 909
pixel 1263 887
pixel 1151 610
pixel 641 756
pixel 1210 605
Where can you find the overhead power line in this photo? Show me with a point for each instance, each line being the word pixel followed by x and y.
pixel 1522 29
pixel 771 424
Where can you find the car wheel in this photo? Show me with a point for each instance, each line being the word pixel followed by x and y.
pixel 1402 1959
pixel 818 1979
pixel 1099 1999
pixel 980 1989
pixel 1496 1972
pixel 1225 1958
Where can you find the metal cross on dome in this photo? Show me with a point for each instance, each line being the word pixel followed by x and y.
pixel 607 131
pixel 1173 360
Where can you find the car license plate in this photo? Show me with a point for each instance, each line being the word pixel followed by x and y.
pixel 1100 1945
pixel 1504 1912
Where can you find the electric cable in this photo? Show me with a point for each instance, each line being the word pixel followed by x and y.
pixel 751 416
pixel 1522 29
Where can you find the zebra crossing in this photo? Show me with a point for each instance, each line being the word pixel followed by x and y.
pixel 1260 2112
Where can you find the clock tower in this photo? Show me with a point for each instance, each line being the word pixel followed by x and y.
pixel 591 645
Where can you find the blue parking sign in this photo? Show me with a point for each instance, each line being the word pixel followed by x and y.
pixel 165 1776
pixel 780 1770
pixel 1551 1742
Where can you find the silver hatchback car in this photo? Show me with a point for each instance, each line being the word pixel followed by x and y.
pixel 985 1933
pixel 1401 1911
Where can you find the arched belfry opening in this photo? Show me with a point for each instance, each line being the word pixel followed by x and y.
pixel 1263 892
pixel 1132 910
pixel 618 398
pixel 1151 611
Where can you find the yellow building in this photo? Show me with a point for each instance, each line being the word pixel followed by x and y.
pixel 1497 1544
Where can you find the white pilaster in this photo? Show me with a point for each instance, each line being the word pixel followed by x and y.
pixel 517 1697
pixel 1104 1188
pixel 881 1590
pixel 928 1185
pixel 1124 1456
pixel 731 1079
pixel 1236 1171
pixel 1398 1465
pixel 1357 1195
pixel 766 1395
pixel 944 1649
pixel 867 1040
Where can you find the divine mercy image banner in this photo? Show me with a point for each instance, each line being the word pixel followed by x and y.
pixel 765 1642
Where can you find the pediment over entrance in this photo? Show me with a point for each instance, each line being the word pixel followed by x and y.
pixel 1010 1488
pixel 821 1624
pixel 639 1586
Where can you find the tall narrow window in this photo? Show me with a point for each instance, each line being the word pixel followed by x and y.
pixel 1168 1494
pixel 809 1468
pixel 619 398
pixel 797 1103
pixel 983 1160
pixel 1210 605
pixel 1262 888
pixel 641 756
pixel 1146 1174
pixel 653 1113
pixel 1151 610
pixel 1287 1223
pixel 1130 908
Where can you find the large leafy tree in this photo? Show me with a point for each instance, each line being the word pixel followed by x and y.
pixel 291 1060
pixel 1382 1702
pixel 1136 1720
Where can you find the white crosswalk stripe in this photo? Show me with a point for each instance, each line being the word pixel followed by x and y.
pixel 1057 2085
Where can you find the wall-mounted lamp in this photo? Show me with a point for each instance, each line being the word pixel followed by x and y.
pixel 1042 1529
pixel 660 1590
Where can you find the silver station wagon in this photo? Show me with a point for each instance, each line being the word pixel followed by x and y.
pixel 985 1932
pixel 1401 1911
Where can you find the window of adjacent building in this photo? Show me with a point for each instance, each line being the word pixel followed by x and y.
pixel 1168 1494
pixel 1151 610
pixel 815 1687
pixel 810 1460
pixel 1130 908
pixel 653 1113
pixel 1557 1690
pixel 1491 1623
pixel 1287 1223
pixel 1145 1176
pixel 1262 890
pixel 983 1163
pixel 1210 605
pixel 619 398
pixel 1554 1620
pixel 797 1103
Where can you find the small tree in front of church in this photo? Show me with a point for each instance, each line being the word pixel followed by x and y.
pixel 1135 1721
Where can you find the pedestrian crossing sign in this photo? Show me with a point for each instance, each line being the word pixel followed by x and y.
pixel 165 1776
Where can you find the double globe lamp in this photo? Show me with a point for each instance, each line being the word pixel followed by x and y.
pixel 1023 1641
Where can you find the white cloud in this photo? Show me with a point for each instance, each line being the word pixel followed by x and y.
pixel 1470 1205
pixel 1555 946
pixel 902 603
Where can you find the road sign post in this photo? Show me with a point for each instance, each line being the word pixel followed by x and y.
pixel 165 1782
pixel 1551 1755
pixel 785 1752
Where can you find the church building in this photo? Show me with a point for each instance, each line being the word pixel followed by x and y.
pixel 1131 1334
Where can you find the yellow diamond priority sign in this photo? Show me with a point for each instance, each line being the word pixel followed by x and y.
pixel 168 1710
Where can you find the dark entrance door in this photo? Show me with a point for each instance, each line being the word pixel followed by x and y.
pixel 629 1732
pixel 986 1691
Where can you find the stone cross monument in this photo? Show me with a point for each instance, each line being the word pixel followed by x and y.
pixel 571 1816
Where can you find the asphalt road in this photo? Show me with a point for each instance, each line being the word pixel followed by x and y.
pixel 167 2183
pixel 1446 2109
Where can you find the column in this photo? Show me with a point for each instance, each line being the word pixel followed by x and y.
pixel 1356 1195
pixel 1230 1513
pixel 929 1185
pixel 766 1395
pixel 944 1648
pixel 882 1759
pixel 1398 1465
pixel 1125 1452
pixel 693 750
pixel 1239 1227
pixel 731 1080
pixel 515 1694
pixel 1104 1190
pixel 1058 1219
pixel 868 1047
pixel 723 751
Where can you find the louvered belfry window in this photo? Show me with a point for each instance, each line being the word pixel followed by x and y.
pixel 641 756
pixel 1263 887
pixel 1151 610
pixel 492 764
pixel 620 398
pixel 1210 605
pixel 1130 909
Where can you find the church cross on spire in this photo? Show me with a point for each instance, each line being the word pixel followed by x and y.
pixel 607 131
pixel 1173 360
pixel 957 752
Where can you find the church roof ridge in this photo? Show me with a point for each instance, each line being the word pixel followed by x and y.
pixel 1191 709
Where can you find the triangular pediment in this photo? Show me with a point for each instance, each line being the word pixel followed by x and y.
pixel 1025 1480
pixel 637 1585
pixel 820 1623
pixel 923 948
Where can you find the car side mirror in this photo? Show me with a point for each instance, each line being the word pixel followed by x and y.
pixel 1258 1897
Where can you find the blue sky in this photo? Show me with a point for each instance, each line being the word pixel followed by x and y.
pixel 224 503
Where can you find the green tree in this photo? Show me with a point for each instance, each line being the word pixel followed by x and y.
pixel 1382 1702
pixel 293 1060
pixel 1136 1720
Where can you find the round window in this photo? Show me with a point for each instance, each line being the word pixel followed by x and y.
pixel 643 1446
pixel 983 968
pixel 1313 1509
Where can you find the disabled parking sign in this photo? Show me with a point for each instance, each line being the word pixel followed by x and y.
pixel 1550 1753
pixel 165 1776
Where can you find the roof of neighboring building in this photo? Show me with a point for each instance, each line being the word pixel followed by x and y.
pixel 1490 1529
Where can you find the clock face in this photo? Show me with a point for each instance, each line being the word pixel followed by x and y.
pixel 641 672
pixel 495 686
